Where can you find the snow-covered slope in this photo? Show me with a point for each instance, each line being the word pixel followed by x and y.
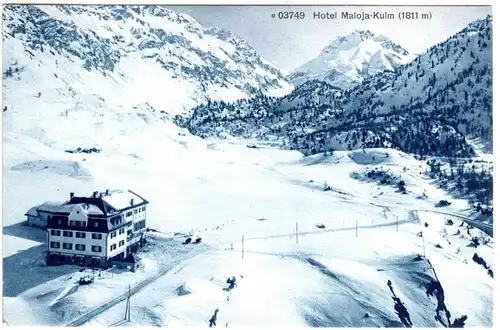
pixel 335 275
pixel 429 106
pixel 348 60
pixel 120 57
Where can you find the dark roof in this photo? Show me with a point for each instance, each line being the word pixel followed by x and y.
pixel 102 205
pixel 111 201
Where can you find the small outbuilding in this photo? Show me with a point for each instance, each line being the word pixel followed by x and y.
pixel 38 216
pixel 132 262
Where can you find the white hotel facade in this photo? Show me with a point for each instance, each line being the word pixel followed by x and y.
pixel 94 231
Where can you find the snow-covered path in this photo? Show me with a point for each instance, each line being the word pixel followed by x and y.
pixel 179 256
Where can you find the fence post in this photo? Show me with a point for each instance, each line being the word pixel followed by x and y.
pixel 423 242
pixel 297 232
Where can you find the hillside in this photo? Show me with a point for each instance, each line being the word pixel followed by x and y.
pixel 360 247
pixel 429 106
pixel 350 59
pixel 119 58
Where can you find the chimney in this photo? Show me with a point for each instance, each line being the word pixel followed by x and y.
pixel 71 195
pixel 107 192
pixel 131 202
pixel 94 195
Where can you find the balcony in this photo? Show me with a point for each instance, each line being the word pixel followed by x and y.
pixel 134 236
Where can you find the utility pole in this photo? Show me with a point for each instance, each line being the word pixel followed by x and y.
pixel 423 243
pixel 397 224
pixel 297 232
pixel 129 302
pixel 127 306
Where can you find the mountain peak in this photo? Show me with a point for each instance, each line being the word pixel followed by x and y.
pixel 349 59
pixel 363 33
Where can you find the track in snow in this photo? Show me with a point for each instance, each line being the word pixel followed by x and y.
pixel 165 268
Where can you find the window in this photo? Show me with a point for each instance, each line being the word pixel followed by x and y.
pixel 129 232
pixel 113 234
pixel 129 214
pixel 77 223
pixel 67 233
pixel 96 236
pixel 121 243
pixel 59 221
pixel 135 211
pixel 96 224
pixel 55 232
pixel 116 220
pixel 67 246
pixel 96 248
pixel 122 230
pixel 113 247
pixel 79 234
pixel 143 209
pixel 80 247
pixel 55 245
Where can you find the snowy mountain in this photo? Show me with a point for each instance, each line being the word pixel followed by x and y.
pixel 430 106
pixel 103 57
pixel 356 252
pixel 350 59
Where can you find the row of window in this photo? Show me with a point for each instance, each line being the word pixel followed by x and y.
pixel 113 246
pixel 95 223
pixel 74 223
pixel 135 211
pixel 118 232
pixel 78 234
pixel 78 247
pixel 139 225
pixel 78 223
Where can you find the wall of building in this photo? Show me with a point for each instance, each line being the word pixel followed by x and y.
pixel 43 218
pixel 78 214
pixel 120 236
pixel 136 214
pixel 88 241
pixel 35 221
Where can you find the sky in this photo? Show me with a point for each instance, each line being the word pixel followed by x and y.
pixel 290 43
